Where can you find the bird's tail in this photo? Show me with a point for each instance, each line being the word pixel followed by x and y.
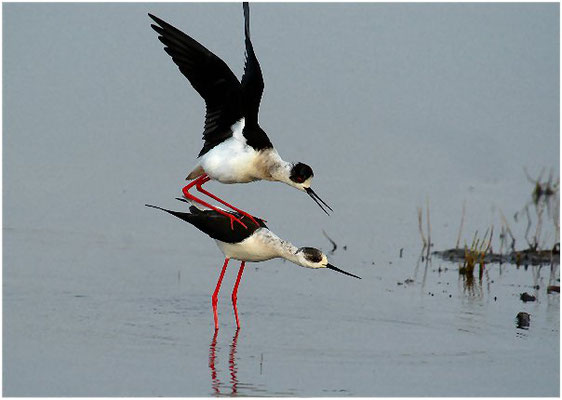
pixel 188 217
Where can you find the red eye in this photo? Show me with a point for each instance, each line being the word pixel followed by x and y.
pixel 300 179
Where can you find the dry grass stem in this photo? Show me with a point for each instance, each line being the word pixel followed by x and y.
pixel 461 225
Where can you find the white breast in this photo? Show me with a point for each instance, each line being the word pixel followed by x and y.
pixel 231 161
pixel 261 246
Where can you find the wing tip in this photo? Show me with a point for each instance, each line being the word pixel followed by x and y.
pixel 246 8
pixel 159 28
pixel 155 18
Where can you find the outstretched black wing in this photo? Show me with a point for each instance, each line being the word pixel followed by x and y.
pixel 212 79
pixel 252 90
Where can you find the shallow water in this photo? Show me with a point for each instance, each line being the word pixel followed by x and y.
pixel 105 297
pixel 112 317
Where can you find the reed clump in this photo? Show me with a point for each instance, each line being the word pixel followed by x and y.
pixel 545 202
pixel 476 253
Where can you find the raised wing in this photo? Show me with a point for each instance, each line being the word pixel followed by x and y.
pixel 252 80
pixel 252 90
pixel 210 76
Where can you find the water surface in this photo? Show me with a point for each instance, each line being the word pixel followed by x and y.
pixel 393 105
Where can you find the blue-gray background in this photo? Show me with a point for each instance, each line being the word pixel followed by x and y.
pixel 391 104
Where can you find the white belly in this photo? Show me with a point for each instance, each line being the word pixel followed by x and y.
pixel 231 162
pixel 261 246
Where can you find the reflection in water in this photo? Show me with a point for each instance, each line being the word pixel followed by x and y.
pixel 424 257
pixel 470 287
pixel 232 362
pixel 553 272
pixel 235 388
pixel 215 382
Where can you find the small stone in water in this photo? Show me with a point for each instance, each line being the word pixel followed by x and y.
pixel 525 297
pixel 523 320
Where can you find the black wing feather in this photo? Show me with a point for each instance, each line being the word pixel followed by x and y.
pixel 252 80
pixel 216 225
pixel 210 76
pixel 252 89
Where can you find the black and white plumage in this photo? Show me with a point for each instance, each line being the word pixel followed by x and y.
pixel 252 243
pixel 236 149
pixel 256 243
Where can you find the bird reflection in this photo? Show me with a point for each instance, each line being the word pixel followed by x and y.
pixel 232 362
pixel 215 381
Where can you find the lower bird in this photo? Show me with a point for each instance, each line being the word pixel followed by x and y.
pixel 254 243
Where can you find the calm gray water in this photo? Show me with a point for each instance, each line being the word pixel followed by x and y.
pixel 393 105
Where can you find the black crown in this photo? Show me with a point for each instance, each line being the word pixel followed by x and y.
pixel 300 173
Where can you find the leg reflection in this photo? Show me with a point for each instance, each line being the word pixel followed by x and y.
pixel 215 381
pixel 232 363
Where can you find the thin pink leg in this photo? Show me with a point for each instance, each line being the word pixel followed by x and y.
pixel 188 195
pixel 214 298
pixel 212 196
pixel 235 292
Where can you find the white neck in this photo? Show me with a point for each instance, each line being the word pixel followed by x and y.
pixel 261 246
pixel 288 251
pixel 281 248
pixel 276 168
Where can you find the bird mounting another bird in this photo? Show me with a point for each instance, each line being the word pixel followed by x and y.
pixel 236 149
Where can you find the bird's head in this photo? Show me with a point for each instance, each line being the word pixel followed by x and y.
pixel 300 177
pixel 313 258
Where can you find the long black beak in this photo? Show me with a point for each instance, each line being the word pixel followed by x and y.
pixel 341 270
pixel 318 200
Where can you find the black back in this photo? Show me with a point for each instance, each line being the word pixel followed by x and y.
pixel 227 101
pixel 216 225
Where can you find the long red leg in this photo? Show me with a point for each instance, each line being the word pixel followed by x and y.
pixel 212 196
pixel 235 292
pixel 214 298
pixel 188 195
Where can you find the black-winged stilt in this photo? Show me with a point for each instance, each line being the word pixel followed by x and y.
pixel 254 243
pixel 236 148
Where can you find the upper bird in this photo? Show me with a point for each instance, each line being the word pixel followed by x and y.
pixel 236 148
pixel 256 243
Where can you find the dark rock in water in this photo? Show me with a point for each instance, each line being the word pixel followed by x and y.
pixel 553 289
pixel 523 320
pixel 525 297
